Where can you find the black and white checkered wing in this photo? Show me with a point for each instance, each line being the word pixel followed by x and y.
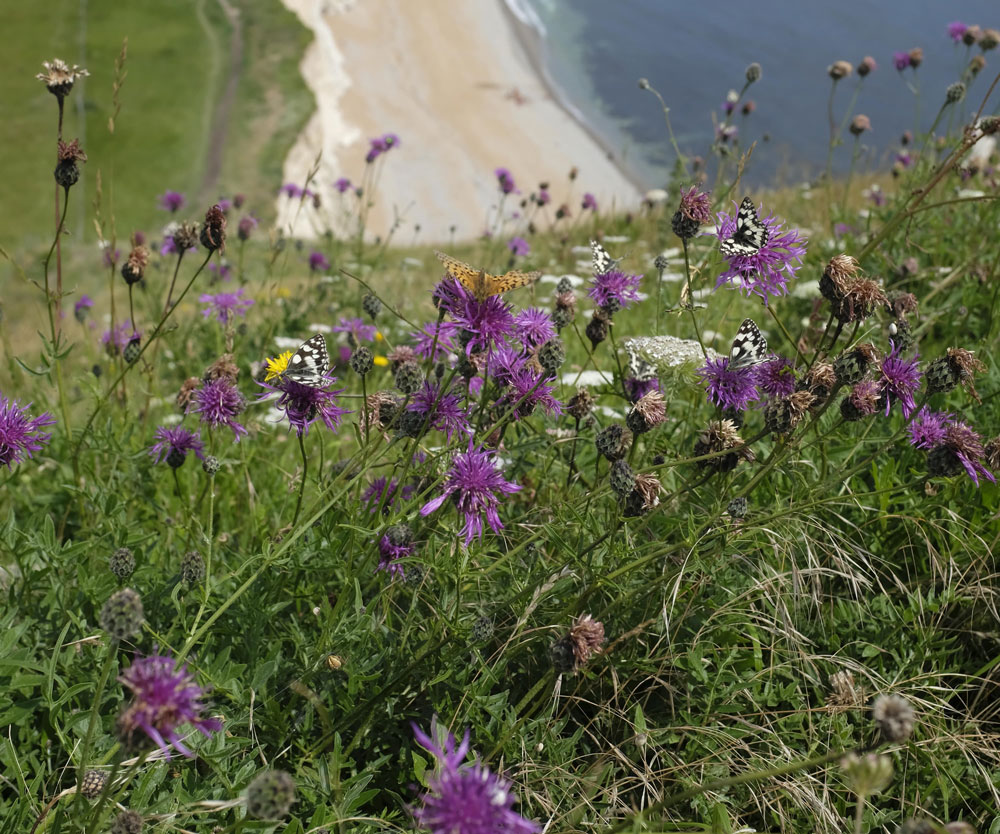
pixel 749 347
pixel 310 363
pixel 638 368
pixel 603 262
pixel 750 234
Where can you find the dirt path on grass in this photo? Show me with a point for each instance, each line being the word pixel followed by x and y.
pixel 220 115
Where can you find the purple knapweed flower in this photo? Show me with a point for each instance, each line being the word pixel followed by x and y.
pixel 615 288
pixel 172 201
pixel 527 390
pixel 589 202
pixel 491 321
pixel 505 180
pixel 163 699
pixel 390 140
pixel 966 445
pixel 82 308
pixel 929 428
pixel 292 190
pixel 391 555
pixel 726 388
pixel 449 295
pixel 442 411
pixel 636 389
pixel 766 271
pixel 696 205
pixel 318 262
pixel 224 204
pixel 904 159
pixel 956 29
pixel 248 223
pixel 226 306
pixel 876 195
pixel 219 403
pixel 173 444
pixel 342 184
pixel 465 798
pixel 518 246
pixel 116 342
pixel 305 404
pixel 382 491
pixel 220 272
pixel 357 329
pixel 543 197
pixel 380 145
pixel 20 434
pixel 533 327
pixel 472 483
pixel 424 340
pixel 503 363
pixel 900 380
pixel 775 377
pixel 900 60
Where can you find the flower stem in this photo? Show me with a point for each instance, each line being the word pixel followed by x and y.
pixel 302 483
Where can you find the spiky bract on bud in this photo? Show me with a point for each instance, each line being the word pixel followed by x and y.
pixel 362 360
pixel 409 377
pixel 122 615
pixel 122 563
pixel 192 568
pixel 613 441
pixel 270 795
pixel 372 305
pixel 93 783
pixel 622 479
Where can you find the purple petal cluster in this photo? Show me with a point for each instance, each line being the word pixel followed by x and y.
pixel 82 308
pixel 383 491
pixel 176 440
pixel 900 60
pixel 929 428
pixel 304 404
pixel 424 341
pixel 900 380
pixel 442 411
pixel 491 321
pixel 20 434
pixel 966 444
pixel 505 180
pixel 519 246
pixel 357 329
pixel 164 698
pixel 294 191
pixel 776 377
pixel 318 262
pixel 473 483
pixel 616 289
pixel 226 306
pixel 465 798
pixel 380 145
pixel 956 29
pixel 342 184
pixel 726 388
pixel 391 555
pixel 636 389
pixel 528 390
pixel 219 403
pixel 534 327
pixel 767 271
pixel 589 202
pixel 116 342
pixel 172 201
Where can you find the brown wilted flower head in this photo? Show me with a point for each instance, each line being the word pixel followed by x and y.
pixel 901 303
pixel 989 125
pixel 861 298
pixel 580 404
pixel 213 230
pixel 574 172
pixel 719 436
pixel 185 237
pixel 783 414
pixel 866 66
pixel 989 39
pixel 839 69
pixel 976 65
pixel 191 384
pixel 135 266
pixel 837 275
pixel 400 354
pixel 382 409
pixel 964 363
pixel 648 412
pixel 972 35
pixel 644 496
pixel 820 379
pixel 222 368
pixel 862 401
pixel 859 124
pixel 67 171
pixel 916 56
pixel 991 454
pixel 894 717
pixel 843 691
pixel 59 77
pixel 587 638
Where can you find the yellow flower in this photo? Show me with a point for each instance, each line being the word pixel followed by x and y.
pixel 379 337
pixel 381 361
pixel 276 367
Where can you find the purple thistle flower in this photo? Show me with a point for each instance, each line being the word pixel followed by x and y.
pixel 505 180
pixel 248 223
pixel 503 363
pixel 519 246
pixel 391 555
pixel 163 698
pixel 729 389
pixel 219 403
pixel 776 377
pixel 966 444
pixel 900 60
pixel 82 308
pixel 174 443
pixel 472 483
pixel 636 389
pixel 533 327
pixel 357 329
pixel 384 491
pixel 318 262
pixel 226 306
pixel 956 29
pixel 172 201
pixel 528 390
pixel 615 288
pixel 877 196
pixel 116 342
pixel 900 380
pixel 291 190
pixel 767 271
pixel 442 411
pixel 491 321
pixel 589 202
pixel 543 197
pixel 304 404
pixel 423 340
pixel 465 798
pixel 928 428
pixel 21 435
pixel 342 184
pixel 723 133
pixel 221 272
pixel 449 295
pixel 696 205
pixel 390 141
pixel 224 204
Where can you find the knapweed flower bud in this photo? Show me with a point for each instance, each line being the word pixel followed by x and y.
pixel 719 436
pixel 93 783
pixel 661 263
pixel 989 39
pixel 868 774
pixel 580 404
pixel 852 365
pixel 409 377
pixel 67 171
pixel 648 412
pixel 482 629
pixel 192 568
pixel 211 465
pixel 859 124
pixel 399 535
pixel 412 424
pixel 270 795
pixel 613 442
pixel 622 479
pixel 940 376
pixel 564 286
pixel 213 230
pixel 122 563
pixel 901 334
pixel 916 56
pixel 894 717
pixel 246 227
pixel 643 83
pixel 866 66
pixel 362 360
pixel 551 355
pixel 185 237
pixel 59 77
pixel 132 349
pixel 955 93
pixel 597 328
pixel 127 822
pixel 372 305
pixel 737 508
pixel 753 73
pixel 135 266
pixel 122 614
pixel 839 69
pixel 976 65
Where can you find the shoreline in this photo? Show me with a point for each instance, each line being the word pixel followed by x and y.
pixel 533 45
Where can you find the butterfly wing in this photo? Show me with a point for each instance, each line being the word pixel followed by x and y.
pixel 310 363
pixel 750 234
pixel 603 262
pixel 496 284
pixel 749 347
pixel 476 281
pixel 638 368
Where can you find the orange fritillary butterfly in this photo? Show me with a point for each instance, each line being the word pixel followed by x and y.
pixel 480 282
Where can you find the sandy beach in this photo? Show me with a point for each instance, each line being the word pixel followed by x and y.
pixel 455 82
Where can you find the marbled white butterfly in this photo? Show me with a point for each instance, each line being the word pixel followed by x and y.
pixel 749 347
pixel 603 262
pixel 750 234
pixel 638 368
pixel 309 364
